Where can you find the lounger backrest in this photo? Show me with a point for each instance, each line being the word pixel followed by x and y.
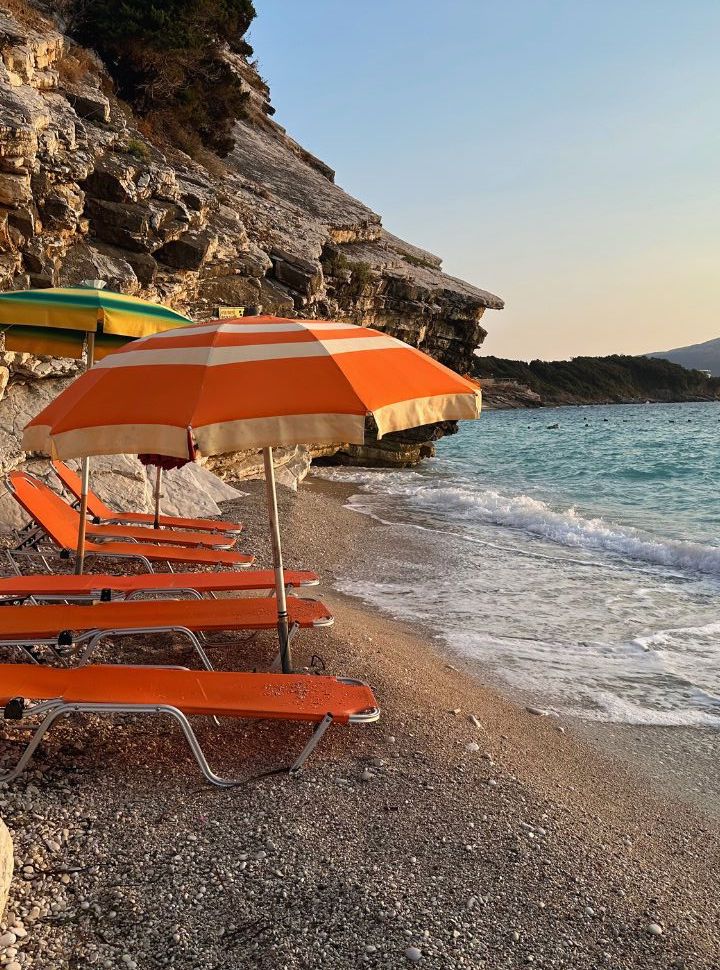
pixel 73 483
pixel 46 508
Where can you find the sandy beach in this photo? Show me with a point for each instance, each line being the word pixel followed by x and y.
pixel 460 831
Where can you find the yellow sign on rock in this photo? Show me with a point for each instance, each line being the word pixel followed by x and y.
pixel 228 312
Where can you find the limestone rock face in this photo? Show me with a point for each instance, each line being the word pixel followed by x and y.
pixel 84 193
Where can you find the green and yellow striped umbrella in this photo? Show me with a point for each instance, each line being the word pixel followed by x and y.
pixel 58 320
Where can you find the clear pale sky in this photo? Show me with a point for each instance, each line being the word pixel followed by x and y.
pixel 564 154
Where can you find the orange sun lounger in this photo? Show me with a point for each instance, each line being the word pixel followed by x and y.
pixel 104 515
pixel 62 627
pixel 133 532
pixel 105 587
pixel 59 523
pixel 51 692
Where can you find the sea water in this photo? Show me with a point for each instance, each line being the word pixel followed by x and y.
pixel 579 562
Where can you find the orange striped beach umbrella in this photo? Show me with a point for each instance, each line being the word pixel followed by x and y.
pixel 255 382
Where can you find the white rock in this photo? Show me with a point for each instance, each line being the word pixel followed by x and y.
pixel 370 948
pixel 7 939
pixel 654 929
pixel 413 954
pixel 537 711
pixel 472 746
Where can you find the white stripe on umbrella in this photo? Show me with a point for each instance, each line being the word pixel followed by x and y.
pixel 215 356
pixel 289 327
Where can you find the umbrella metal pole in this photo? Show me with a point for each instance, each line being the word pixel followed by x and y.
pixel 283 637
pixel 158 481
pixel 82 524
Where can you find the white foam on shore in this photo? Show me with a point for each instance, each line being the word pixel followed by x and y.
pixel 461 505
pixel 505 580
pixel 620 710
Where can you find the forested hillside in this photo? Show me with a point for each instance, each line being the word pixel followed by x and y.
pixel 596 380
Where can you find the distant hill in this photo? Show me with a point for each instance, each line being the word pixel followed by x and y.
pixel 590 380
pixel 704 356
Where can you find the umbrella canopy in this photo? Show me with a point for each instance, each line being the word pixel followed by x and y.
pixel 249 383
pixel 57 320
pixel 255 382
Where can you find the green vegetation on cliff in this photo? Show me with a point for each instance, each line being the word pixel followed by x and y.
pixel 166 57
pixel 597 380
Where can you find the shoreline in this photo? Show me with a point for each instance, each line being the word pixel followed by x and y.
pixel 499 842
pixel 516 403
pixel 683 761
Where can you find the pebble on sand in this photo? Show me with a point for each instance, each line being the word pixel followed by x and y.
pixel 654 929
pixel 413 954
pixel 472 746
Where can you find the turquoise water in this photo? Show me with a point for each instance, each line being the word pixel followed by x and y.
pixel 580 562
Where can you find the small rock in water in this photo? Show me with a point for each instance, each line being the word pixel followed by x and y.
pixel 537 711
pixel 472 746
pixel 413 954
pixel 654 929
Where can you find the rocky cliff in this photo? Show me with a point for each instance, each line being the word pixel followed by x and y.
pixel 86 191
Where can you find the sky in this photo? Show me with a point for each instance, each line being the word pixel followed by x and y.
pixel 563 154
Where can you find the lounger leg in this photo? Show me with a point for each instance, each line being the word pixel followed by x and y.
pixel 198 752
pixel 315 739
pixel 27 754
pixel 182 630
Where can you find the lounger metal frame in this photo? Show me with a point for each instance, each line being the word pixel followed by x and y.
pixel 53 709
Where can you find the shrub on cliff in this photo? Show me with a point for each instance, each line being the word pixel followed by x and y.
pixel 166 59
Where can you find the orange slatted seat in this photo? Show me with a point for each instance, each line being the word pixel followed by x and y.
pixel 99 510
pixel 60 523
pixel 296 697
pixel 57 506
pixel 94 584
pixel 26 623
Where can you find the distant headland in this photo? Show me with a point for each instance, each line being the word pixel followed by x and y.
pixel 590 380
